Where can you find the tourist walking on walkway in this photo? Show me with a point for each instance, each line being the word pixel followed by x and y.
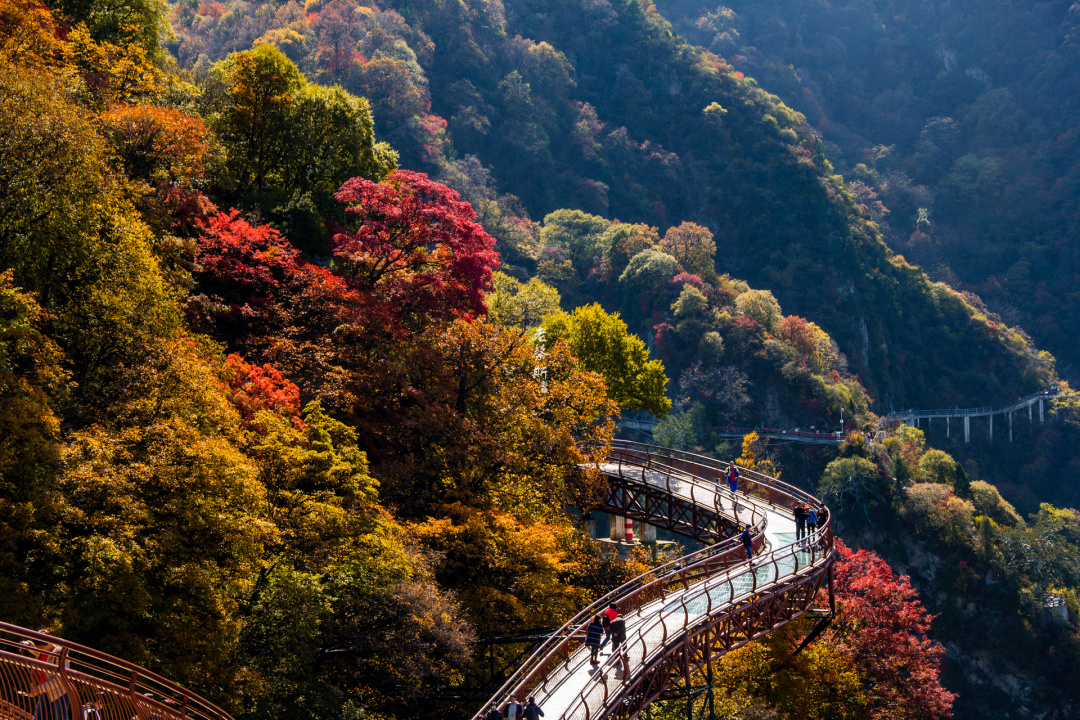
pixel 811 521
pixel 609 617
pixel 493 713
pixel 733 486
pixel 532 710
pixel 800 521
pixel 618 634
pixel 748 543
pixel 594 638
pixel 514 709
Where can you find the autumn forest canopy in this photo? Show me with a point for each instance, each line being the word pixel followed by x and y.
pixel 316 317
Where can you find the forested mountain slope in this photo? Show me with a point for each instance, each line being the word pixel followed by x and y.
pixel 957 120
pixel 272 424
pixel 600 106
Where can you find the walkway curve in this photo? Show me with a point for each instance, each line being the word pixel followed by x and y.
pixel 87 678
pixel 683 615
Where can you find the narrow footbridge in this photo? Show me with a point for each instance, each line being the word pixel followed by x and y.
pixel 48 678
pixel 1041 399
pixel 810 437
pixel 682 616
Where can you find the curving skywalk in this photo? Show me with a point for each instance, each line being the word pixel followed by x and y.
pixel 49 678
pixel 683 615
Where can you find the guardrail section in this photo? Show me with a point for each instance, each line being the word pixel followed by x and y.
pixel 684 614
pixel 48 678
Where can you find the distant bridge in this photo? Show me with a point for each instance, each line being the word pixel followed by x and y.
pixel 812 437
pixel 911 417
pixel 915 417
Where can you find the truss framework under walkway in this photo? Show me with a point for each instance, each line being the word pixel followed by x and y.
pixel 683 615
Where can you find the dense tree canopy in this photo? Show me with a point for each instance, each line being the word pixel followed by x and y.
pixel 602 344
pixel 272 423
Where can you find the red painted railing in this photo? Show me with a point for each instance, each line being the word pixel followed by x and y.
pixel 48 678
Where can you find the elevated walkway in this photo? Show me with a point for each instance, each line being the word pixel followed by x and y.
pixel 915 418
pixel 682 615
pixel 42 676
pixel 809 437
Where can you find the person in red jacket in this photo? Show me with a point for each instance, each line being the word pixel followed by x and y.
pixel 52 700
pixel 607 618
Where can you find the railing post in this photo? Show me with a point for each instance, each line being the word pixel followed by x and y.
pixel 134 694
pixel 72 694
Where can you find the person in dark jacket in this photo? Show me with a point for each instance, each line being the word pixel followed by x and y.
pixel 733 485
pixel 748 543
pixel 618 633
pixel 513 709
pixel 493 713
pixel 800 521
pixel 532 710
pixel 594 637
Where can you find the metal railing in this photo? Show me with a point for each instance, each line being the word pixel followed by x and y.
pixel 684 601
pixel 970 412
pixel 753 484
pixel 713 602
pixel 42 676
pixel 678 480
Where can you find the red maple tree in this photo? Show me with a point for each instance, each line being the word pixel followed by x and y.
pixel 882 627
pixel 415 246
pixel 253 388
pixel 244 263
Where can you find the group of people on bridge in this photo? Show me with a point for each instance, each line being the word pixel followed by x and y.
pixel 605 627
pixel 807 520
pixel 513 710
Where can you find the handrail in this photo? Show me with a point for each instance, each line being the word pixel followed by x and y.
pixel 82 678
pixel 647 462
pixel 751 481
pixel 687 578
pixel 669 638
pixel 628 595
pixel 976 411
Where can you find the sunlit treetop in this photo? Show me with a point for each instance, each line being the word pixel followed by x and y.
pixel 415 243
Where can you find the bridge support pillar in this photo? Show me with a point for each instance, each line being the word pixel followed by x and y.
pixel 648 533
pixel 947 429
pixel 967 428
pixel 1029 412
pixel 625 530
pixel 1041 410
pixel 618 527
pixel 991 427
pixel 1010 426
